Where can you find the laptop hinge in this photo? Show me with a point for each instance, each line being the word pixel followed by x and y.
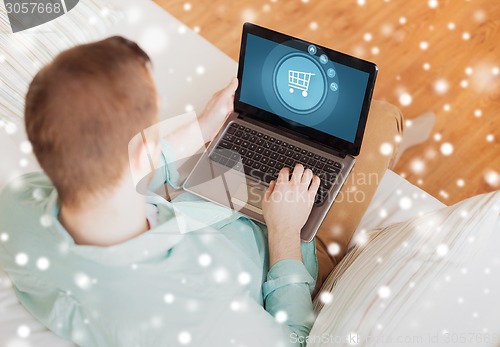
pixel 342 154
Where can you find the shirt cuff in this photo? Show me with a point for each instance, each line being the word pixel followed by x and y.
pixel 284 273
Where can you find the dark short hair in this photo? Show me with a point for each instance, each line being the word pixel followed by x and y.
pixel 82 110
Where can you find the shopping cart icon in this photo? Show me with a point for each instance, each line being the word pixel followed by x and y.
pixel 299 80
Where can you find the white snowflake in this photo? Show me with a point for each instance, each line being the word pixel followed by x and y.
pixel 46 220
pixel 154 39
pixel 326 297
pixel 10 128
pixel 417 165
pixel 134 14
pixel 387 29
pixel 22 259
pixel 168 298
pixel 492 178
pixel 220 275
pixel 244 278
pixel 104 12
pixel 405 203
pixel 82 280
pixel 23 162
pixel 184 338
pixel 248 15
pixel 442 250
pixel 235 305
pixel 433 3
pixel 405 99
pixel 204 260
pixel 42 263
pixel 386 149
pixel 334 249
pixel 424 45
pixel 281 316
pixel 26 147
pixel 361 238
pixel 480 16
pixel 441 86
pixel 200 69
pixel 446 148
pixel 384 292
pixel 23 331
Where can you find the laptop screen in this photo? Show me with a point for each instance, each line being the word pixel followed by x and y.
pixel 301 84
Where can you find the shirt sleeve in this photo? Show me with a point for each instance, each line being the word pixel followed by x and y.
pixel 166 168
pixel 287 296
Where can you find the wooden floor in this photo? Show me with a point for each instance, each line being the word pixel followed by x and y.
pixel 443 56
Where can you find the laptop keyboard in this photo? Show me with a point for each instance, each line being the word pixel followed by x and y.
pixel 263 156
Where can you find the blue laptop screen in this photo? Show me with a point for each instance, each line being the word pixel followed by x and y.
pixel 304 87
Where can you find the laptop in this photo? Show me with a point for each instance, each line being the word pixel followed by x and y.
pixel 297 102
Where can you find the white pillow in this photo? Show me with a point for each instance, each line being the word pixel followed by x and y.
pixel 22 54
pixel 433 280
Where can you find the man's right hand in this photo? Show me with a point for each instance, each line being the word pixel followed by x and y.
pixel 286 206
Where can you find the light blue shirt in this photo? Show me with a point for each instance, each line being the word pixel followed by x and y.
pixel 198 278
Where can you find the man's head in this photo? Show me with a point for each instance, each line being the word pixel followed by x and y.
pixel 83 109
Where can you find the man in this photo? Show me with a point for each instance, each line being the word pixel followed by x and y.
pixel 102 265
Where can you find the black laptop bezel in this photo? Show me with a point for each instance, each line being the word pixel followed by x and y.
pixel 314 135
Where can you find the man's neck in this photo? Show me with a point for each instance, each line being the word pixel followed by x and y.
pixel 108 219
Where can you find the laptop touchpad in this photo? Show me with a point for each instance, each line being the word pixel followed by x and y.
pixel 249 197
